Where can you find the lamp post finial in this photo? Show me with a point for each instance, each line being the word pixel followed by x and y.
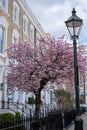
pixel 73 12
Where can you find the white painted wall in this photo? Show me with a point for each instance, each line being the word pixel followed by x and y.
pixel 45 96
pixel 15 96
pixel 86 97
pixel 1 78
pixel 23 97
pixel 5 93
pixel 0 97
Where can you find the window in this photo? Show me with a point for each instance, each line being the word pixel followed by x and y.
pixel 4 4
pixel 16 13
pixel 3 35
pixel 37 39
pixel 15 36
pixel 25 24
pixel 2 39
pixel 15 40
pixel 32 33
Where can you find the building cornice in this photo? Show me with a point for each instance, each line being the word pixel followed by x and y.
pixel 31 16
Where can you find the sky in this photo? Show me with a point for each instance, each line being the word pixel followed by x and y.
pixel 51 14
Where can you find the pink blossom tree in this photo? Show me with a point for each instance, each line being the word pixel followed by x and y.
pixel 32 67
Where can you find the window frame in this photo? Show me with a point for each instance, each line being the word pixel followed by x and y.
pixel 25 25
pixel 4 24
pixel 31 33
pixel 2 38
pixel 37 38
pixel 6 6
pixel 15 34
pixel 15 16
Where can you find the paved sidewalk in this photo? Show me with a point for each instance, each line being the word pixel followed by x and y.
pixel 84 117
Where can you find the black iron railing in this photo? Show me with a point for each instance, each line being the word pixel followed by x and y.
pixel 48 119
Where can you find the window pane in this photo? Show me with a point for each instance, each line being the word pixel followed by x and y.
pixel 14 40
pixel 2 39
pixel 24 25
pixel 32 34
pixel 15 15
pixel 4 4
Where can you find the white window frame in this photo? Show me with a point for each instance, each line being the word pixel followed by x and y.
pixel 25 24
pixel 15 40
pixel 15 34
pixel 15 6
pixel 6 5
pixel 31 33
pixel 4 24
pixel 2 38
pixel 37 39
pixel 1 71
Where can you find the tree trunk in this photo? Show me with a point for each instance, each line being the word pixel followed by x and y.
pixel 38 102
pixel 37 93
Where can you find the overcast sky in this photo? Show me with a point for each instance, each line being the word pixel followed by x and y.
pixel 51 14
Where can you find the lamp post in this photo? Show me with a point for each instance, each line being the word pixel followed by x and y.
pixel 74 24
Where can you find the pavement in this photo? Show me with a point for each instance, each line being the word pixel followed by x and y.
pixel 84 118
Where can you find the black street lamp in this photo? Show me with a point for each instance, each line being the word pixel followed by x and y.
pixel 74 24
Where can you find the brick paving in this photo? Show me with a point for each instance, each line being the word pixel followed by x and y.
pixel 84 117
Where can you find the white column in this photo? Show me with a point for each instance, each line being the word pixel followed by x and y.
pixel 23 97
pixel 5 93
pixel 0 97
pixel 15 97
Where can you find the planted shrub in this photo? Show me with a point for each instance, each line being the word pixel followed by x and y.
pixel 6 117
pixel 17 116
pixel 8 120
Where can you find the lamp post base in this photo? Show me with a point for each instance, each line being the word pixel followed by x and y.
pixel 78 123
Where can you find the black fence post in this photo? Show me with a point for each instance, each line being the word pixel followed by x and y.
pixel 22 108
pixel 17 104
pixel 30 115
pixel 3 104
pixel 34 125
pixel 8 104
